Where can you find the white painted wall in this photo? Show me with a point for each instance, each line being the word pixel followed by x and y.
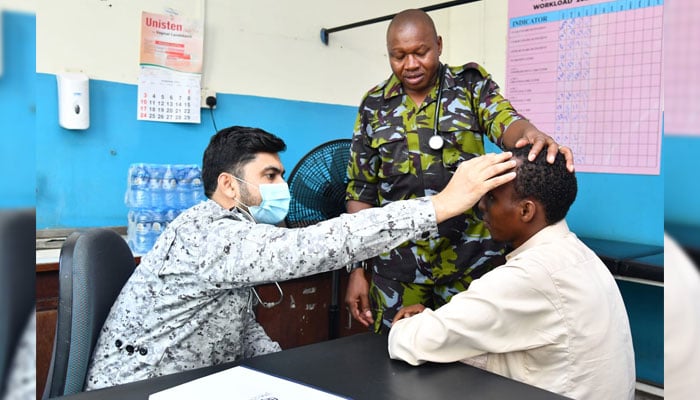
pixel 477 32
pixel 264 47
pixel 27 6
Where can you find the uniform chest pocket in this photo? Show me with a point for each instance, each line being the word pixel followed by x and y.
pixel 391 146
pixel 460 144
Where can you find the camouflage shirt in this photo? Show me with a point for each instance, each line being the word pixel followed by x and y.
pixel 189 303
pixel 390 160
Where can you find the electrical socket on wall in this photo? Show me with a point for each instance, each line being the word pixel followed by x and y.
pixel 206 92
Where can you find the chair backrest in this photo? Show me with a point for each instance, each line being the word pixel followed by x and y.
pixel 17 271
pixel 93 267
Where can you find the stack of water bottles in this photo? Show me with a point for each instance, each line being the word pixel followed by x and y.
pixel 155 195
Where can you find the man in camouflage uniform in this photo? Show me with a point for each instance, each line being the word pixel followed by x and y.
pixel 392 159
pixel 189 303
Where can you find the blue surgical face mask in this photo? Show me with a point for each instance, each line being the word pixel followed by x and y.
pixel 275 203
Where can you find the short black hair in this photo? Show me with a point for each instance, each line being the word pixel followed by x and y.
pixel 232 148
pixel 550 184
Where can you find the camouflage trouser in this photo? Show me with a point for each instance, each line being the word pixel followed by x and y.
pixel 387 296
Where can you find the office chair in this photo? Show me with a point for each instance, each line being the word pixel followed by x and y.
pixel 93 267
pixel 17 271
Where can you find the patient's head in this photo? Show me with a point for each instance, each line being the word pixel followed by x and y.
pixel 550 184
pixel 540 195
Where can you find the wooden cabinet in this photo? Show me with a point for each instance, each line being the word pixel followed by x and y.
pixel 308 312
pixel 302 315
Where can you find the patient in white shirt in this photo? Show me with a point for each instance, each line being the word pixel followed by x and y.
pixel 552 316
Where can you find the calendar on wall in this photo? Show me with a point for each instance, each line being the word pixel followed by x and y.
pixel 589 73
pixel 170 75
pixel 169 96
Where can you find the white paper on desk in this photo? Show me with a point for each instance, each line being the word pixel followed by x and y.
pixel 244 384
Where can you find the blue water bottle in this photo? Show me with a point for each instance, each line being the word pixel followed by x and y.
pixel 157 226
pixel 137 188
pixel 155 185
pixel 184 186
pixel 170 188
pixel 197 186
pixel 141 239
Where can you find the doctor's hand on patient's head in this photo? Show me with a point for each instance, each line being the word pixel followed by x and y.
pixel 541 141
pixel 408 311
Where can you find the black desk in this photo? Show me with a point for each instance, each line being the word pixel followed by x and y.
pixel 618 250
pixel 650 268
pixel 358 367
pixel 629 260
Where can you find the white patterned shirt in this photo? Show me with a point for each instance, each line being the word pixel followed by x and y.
pixel 552 317
pixel 188 304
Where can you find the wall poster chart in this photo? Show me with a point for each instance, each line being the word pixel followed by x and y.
pixel 589 73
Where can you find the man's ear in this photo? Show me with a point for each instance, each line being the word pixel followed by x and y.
pixel 528 210
pixel 227 185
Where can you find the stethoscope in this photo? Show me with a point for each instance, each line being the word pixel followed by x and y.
pixel 436 141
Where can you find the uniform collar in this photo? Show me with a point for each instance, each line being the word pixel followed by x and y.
pixel 546 235
pixel 393 87
pixel 217 211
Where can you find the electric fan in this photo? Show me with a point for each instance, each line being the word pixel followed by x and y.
pixel 317 184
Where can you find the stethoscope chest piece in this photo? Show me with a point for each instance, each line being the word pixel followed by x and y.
pixel 436 142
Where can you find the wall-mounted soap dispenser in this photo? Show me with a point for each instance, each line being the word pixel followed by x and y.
pixel 73 100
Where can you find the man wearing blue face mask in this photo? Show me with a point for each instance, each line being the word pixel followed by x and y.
pixel 189 303
pixel 274 204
